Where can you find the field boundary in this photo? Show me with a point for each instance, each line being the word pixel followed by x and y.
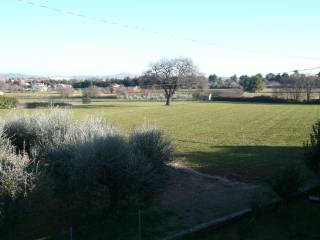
pixel 264 99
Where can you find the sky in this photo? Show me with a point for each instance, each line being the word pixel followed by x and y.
pixel 246 37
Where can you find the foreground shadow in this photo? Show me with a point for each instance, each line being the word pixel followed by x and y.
pixel 245 163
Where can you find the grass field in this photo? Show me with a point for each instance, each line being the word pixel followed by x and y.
pixel 242 141
pixel 248 142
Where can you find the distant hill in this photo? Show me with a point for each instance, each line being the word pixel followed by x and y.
pixel 20 75
pixel 61 77
pixel 116 76
pixel 123 75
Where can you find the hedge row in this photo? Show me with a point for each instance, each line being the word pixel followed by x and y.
pixel 46 104
pixel 8 102
pixel 264 99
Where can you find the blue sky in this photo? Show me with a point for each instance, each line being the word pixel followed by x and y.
pixel 38 41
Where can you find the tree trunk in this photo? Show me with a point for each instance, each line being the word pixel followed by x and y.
pixel 168 101
pixel 308 96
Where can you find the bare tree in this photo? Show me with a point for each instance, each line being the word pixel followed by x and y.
pixel 318 83
pixel 279 93
pixel 4 86
pixel 309 84
pixel 92 91
pixel 297 87
pixel 296 84
pixel 203 83
pixel 66 92
pixel 172 74
pixel 122 91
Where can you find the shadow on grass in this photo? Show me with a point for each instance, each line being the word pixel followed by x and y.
pixel 245 163
pixel 122 224
pixel 299 219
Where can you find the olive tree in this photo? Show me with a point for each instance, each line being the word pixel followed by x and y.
pixel 172 74
pixel 15 179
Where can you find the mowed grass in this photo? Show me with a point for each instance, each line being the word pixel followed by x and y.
pixel 249 142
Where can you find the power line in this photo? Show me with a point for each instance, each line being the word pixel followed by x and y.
pixel 150 31
pixel 303 70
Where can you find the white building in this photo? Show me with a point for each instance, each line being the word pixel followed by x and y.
pixel 40 87
pixel 62 86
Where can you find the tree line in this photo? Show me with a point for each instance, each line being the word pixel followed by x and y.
pixel 296 83
pixel 181 73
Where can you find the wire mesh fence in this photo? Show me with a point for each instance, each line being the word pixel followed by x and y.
pixel 135 224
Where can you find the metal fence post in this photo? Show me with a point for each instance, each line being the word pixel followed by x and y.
pixel 140 224
pixel 71 233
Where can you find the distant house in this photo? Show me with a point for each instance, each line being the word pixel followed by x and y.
pixel 236 92
pixel 115 86
pixel 39 87
pixel 21 82
pixel 273 84
pixel 1 93
pixel 134 89
pixel 60 86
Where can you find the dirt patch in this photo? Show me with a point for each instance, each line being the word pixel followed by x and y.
pixel 196 198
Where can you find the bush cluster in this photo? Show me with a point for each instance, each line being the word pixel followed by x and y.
pixel 86 100
pixel 8 102
pixel 46 104
pixel 286 182
pixel 312 149
pixel 84 163
pixel 15 178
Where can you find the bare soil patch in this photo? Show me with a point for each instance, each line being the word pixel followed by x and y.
pixel 196 198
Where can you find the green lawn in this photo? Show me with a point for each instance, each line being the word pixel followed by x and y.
pixel 243 141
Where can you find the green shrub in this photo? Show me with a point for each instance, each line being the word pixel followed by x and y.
pixel 122 170
pixel 253 83
pixel 151 151
pixel 86 100
pixel 312 149
pixel 69 163
pixel 36 132
pixel 200 96
pixel 101 169
pixel 153 145
pixel 88 162
pixel 22 130
pixel 8 102
pixel 286 182
pixel 15 179
pixel 13 174
pixel 46 104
